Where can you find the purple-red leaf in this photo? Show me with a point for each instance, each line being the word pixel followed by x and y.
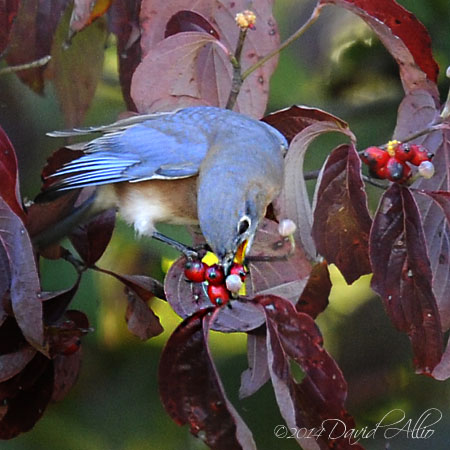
pixel 31 37
pixel 26 396
pixel 191 390
pixel 90 240
pixel 290 121
pixel 25 286
pixel 293 337
pixel 314 298
pixel 124 23
pixel 402 275
pixel 56 303
pixel 145 287
pixel 12 363
pixel 189 21
pixel 141 320
pixel 302 125
pixel 66 369
pixel 285 276
pixel 214 69
pixel 341 217
pixel 257 373
pixel 179 71
pixel 8 11
pixel 9 185
pixel 404 37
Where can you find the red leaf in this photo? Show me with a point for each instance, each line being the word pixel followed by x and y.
pixel 8 12
pixel 145 287
pixel 124 22
pixel 341 217
pixel 187 298
pixel 90 240
pixel 26 396
pixel 189 21
pixel 404 37
pixel 9 185
pixel 25 286
pixel 402 275
pixel 303 125
pixel 56 303
pixel 85 12
pixel 191 390
pixel 294 337
pixel 291 121
pixel 141 320
pixel 418 111
pixel 214 69
pixel 13 363
pixel 31 37
pixel 66 369
pixel 314 298
pixel 170 74
pixel 284 277
pixel 257 373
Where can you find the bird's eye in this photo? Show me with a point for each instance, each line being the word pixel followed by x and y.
pixel 244 224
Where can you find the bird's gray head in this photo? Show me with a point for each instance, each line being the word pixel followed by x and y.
pixel 238 179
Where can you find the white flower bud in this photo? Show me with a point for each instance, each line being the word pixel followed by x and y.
pixel 286 227
pixel 426 169
pixel 234 283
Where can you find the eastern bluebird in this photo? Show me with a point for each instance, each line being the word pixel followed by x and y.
pixel 198 165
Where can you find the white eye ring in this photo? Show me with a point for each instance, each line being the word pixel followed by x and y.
pixel 244 224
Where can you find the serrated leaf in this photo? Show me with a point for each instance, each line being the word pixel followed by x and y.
pixel 402 275
pixel 191 390
pixel 341 216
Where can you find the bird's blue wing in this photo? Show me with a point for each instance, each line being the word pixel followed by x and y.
pixel 166 146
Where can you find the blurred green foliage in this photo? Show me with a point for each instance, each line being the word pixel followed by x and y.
pixel 337 65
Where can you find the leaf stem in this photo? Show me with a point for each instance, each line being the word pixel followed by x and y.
pixel 31 65
pixel 314 16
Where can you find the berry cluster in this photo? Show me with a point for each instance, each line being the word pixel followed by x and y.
pixel 220 288
pixel 391 163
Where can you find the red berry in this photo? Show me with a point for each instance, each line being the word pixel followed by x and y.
pixel 403 152
pixel 375 157
pixel 238 269
pixel 72 348
pixel 215 274
pixel 397 170
pixel 420 154
pixel 195 271
pixel 218 294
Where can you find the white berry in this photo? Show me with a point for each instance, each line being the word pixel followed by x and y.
pixel 426 169
pixel 234 283
pixel 286 227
